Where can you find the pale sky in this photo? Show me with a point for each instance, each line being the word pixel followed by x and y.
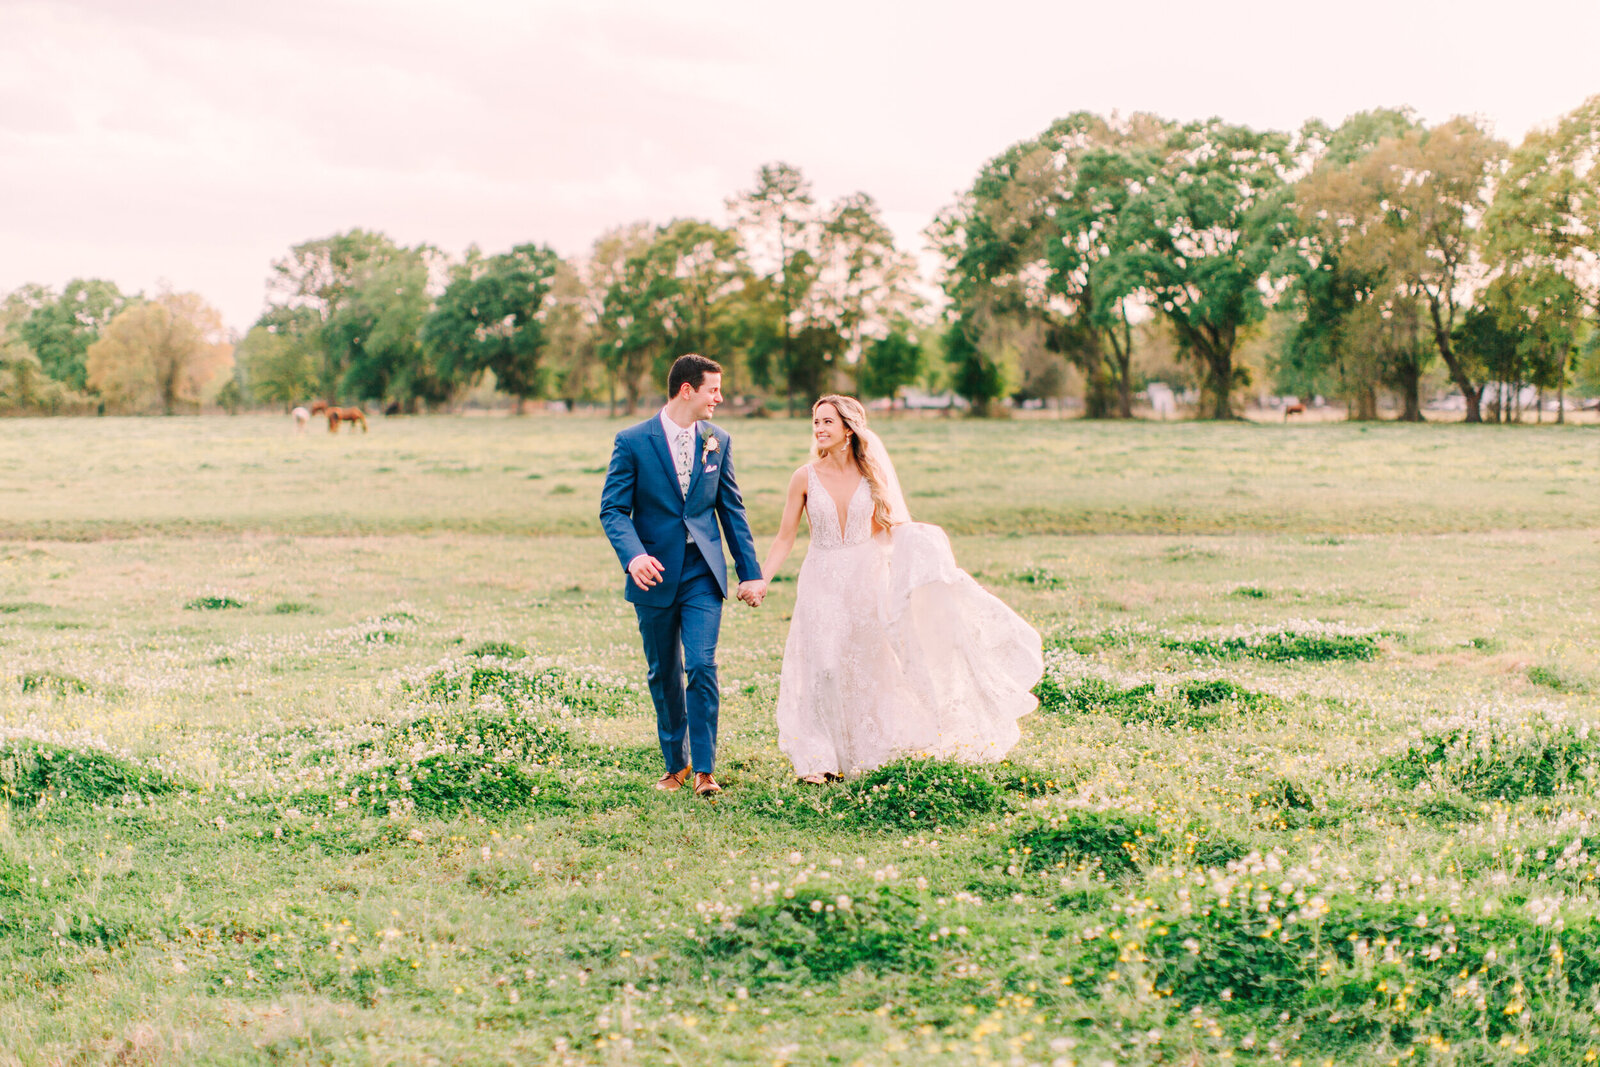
pixel 193 141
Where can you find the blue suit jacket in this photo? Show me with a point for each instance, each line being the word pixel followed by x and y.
pixel 643 512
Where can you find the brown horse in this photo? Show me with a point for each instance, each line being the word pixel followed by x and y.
pixel 350 415
pixel 319 407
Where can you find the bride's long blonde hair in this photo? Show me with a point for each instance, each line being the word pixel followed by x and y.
pixel 854 417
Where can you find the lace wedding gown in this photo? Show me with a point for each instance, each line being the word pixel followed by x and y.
pixel 895 651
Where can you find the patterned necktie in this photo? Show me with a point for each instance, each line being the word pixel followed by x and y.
pixel 684 457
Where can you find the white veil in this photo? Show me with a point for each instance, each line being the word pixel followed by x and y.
pixel 892 496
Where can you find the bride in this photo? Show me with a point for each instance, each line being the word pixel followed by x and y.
pixel 893 650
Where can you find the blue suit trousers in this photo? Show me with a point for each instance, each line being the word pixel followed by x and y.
pixel 680 640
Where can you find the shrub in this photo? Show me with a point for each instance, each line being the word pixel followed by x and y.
pixel 448 782
pixel 1281 645
pixel 1560 681
pixel 479 758
pixel 1448 811
pixel 13 878
pixel 499 650
pixel 1038 577
pixel 1359 967
pixel 1029 781
pixel 212 603
pixel 1194 703
pixel 492 732
pixel 520 684
pixel 1250 592
pixel 908 794
pixel 290 607
pixel 1484 757
pixel 1202 693
pixel 1290 807
pixel 1119 842
pixel 51 682
pixel 38 773
pixel 913 794
pixel 1086 644
pixel 822 934
pixel 1091 695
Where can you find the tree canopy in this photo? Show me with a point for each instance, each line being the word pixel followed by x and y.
pixel 160 355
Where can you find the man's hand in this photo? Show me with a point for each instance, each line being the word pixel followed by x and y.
pixel 646 571
pixel 753 592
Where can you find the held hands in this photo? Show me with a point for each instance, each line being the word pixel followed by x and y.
pixel 646 571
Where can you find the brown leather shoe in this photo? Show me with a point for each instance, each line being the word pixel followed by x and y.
pixel 673 780
pixel 705 785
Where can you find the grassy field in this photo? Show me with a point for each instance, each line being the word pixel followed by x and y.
pixel 81 480
pixel 333 750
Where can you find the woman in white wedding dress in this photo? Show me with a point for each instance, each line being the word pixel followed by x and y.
pixel 893 650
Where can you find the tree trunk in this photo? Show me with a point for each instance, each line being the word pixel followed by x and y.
pixel 1219 364
pixel 1410 392
pixel 1098 394
pixel 1214 350
pixel 1122 356
pixel 1561 399
pixel 1458 374
pixel 1365 406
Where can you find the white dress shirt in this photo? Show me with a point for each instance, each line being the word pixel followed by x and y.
pixel 682 452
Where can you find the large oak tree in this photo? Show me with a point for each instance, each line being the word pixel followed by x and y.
pixel 160 355
pixel 1201 236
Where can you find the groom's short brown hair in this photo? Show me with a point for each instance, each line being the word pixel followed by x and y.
pixel 692 369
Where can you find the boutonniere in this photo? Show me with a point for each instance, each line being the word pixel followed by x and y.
pixel 710 442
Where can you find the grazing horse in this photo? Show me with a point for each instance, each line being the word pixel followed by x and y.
pixel 301 417
pixel 319 407
pixel 1293 409
pixel 350 415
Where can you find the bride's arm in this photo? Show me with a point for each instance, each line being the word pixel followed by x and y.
pixel 793 504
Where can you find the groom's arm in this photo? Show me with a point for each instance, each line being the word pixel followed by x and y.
pixel 735 527
pixel 616 505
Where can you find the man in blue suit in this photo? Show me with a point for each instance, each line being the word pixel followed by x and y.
pixel 670 482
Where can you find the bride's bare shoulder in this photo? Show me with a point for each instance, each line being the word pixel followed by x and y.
pixel 801 477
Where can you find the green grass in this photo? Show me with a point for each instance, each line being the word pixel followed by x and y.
pixel 1037 476
pixel 1314 775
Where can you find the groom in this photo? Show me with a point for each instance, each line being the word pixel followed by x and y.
pixel 670 481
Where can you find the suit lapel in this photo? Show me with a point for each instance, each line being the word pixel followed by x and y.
pixel 663 450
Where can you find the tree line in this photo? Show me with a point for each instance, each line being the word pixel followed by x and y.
pixel 1367 252
pixel 1365 259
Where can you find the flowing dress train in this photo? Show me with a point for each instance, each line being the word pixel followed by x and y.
pixel 894 650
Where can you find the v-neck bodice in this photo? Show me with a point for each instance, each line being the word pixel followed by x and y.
pixel 823 511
